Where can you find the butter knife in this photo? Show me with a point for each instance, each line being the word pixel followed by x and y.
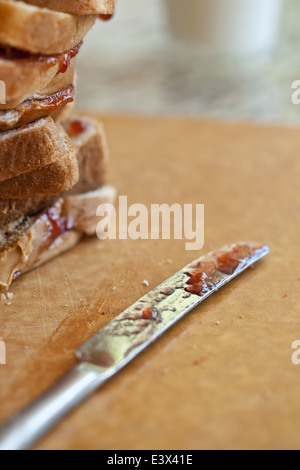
pixel 115 345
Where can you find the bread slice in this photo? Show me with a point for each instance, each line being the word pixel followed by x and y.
pixel 60 82
pixel 66 113
pixel 25 81
pixel 34 109
pixel 58 228
pixel 79 7
pixel 12 210
pixel 90 143
pixel 39 30
pixel 50 180
pixel 92 155
pixel 31 148
pixel 23 78
pixel 82 208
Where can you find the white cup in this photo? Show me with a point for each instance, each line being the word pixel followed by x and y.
pixel 227 26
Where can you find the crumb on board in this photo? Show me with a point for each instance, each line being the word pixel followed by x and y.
pixel 6 298
pixel 145 283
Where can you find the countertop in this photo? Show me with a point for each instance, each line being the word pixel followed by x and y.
pixel 133 65
pixel 223 377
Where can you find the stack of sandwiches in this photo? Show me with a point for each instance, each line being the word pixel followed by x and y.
pixel 52 162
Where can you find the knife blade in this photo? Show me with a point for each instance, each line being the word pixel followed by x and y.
pixel 126 336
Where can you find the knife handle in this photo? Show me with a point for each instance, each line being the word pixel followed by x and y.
pixel 31 424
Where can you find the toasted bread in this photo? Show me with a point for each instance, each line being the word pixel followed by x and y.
pixel 79 7
pixel 92 154
pixel 39 30
pixel 50 180
pixel 15 209
pixel 31 148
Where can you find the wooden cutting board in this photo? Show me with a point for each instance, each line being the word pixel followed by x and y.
pixel 223 377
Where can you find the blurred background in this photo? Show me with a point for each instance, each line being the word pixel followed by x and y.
pixel 141 62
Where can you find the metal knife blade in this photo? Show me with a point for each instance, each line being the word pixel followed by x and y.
pixel 115 345
pixel 133 330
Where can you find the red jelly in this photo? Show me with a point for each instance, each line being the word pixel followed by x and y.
pixel 150 314
pixel 204 275
pixel 63 60
pixel 57 226
pixel 106 17
pixel 77 127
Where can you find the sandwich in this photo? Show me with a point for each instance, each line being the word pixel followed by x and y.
pixel 36 229
pixel 52 161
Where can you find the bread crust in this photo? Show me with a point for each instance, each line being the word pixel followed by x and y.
pixel 27 80
pixel 15 209
pixel 23 78
pixel 54 178
pixel 31 148
pixel 40 30
pixel 92 154
pixel 47 181
pixel 79 7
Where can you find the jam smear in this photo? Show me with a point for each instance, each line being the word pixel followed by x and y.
pixel 166 291
pixel 57 225
pixel 200 283
pixel 206 275
pixel 227 263
pixel 32 110
pixel 52 103
pixel 63 60
pixel 77 128
pixel 104 17
pixel 150 313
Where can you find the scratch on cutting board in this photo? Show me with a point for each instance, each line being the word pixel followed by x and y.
pixel 47 327
pixel 68 281
pixel 69 292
